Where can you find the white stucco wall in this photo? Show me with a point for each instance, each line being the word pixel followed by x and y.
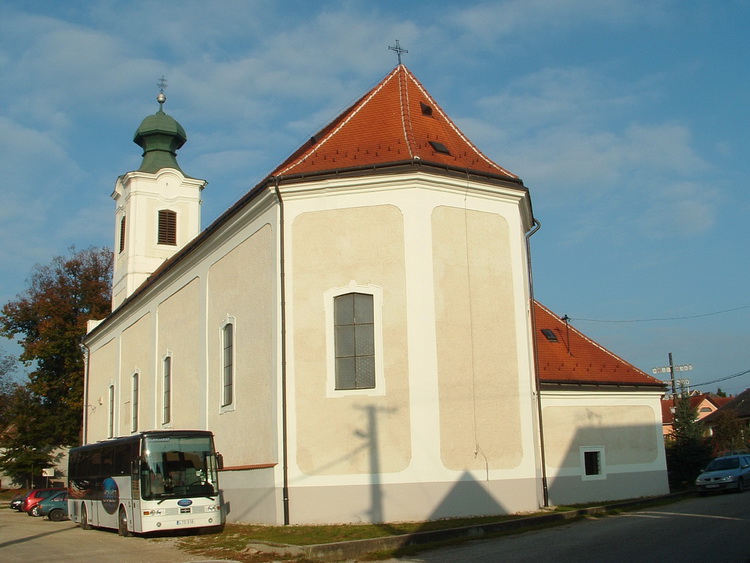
pixel 624 425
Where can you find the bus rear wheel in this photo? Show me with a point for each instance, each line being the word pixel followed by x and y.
pixel 122 523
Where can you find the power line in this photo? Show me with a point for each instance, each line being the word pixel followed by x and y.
pixel 721 379
pixel 661 318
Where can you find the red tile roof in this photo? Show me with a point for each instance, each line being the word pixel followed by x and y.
pixel 570 357
pixel 667 416
pixel 394 122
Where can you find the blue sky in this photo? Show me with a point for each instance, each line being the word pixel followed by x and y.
pixel 626 119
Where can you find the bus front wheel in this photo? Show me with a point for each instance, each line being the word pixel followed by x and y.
pixel 122 523
pixel 84 518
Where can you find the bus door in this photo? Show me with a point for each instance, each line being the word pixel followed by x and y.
pixel 135 494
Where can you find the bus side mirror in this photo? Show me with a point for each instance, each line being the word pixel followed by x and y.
pixel 219 460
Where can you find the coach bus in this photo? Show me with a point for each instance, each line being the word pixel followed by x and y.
pixel 147 482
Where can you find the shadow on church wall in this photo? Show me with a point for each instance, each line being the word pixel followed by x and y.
pixel 466 497
pixel 602 463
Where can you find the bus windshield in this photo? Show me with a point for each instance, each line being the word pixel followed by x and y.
pixel 178 466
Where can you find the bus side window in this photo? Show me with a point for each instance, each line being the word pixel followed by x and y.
pixel 108 458
pixel 122 460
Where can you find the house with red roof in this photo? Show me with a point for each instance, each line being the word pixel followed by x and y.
pixel 359 332
pixel 599 417
pixel 703 403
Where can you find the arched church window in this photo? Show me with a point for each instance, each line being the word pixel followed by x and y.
pixel 134 403
pixel 354 341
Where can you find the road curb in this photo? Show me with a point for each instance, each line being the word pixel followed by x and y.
pixel 342 551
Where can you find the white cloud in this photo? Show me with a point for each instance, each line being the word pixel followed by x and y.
pixel 683 209
pixel 492 21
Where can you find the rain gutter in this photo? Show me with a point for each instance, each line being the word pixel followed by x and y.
pixel 545 488
pixel 282 291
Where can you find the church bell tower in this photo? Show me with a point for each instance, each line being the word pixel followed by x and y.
pixel 157 207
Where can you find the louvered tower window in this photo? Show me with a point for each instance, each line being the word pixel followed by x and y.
pixel 167 227
pixel 122 234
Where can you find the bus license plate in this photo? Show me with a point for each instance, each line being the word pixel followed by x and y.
pixel 184 522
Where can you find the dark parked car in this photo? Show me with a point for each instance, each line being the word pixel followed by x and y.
pixel 54 507
pixel 731 472
pixel 34 496
pixel 15 504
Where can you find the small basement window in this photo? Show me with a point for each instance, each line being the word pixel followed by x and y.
pixel 439 147
pixel 593 464
pixel 550 335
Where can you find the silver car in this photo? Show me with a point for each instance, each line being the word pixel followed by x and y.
pixel 731 472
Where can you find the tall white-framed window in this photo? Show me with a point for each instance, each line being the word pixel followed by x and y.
pixel 134 403
pixel 166 389
pixel 228 337
pixel 111 413
pixel 593 464
pixel 354 340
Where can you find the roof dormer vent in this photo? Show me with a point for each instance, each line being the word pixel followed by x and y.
pixel 550 335
pixel 439 147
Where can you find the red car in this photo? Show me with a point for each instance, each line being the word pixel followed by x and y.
pixel 34 496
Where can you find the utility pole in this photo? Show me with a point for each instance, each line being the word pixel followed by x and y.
pixel 671 368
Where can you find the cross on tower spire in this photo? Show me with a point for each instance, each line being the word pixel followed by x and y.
pixel 398 50
pixel 161 98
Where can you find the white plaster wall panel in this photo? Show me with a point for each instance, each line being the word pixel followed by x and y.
pixel 346 434
pixel 137 355
pixel 243 288
pixel 480 421
pixel 102 373
pixel 179 334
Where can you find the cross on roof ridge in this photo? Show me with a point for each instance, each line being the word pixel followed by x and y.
pixel 398 50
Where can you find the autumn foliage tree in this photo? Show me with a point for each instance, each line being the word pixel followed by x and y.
pixel 49 320
pixel 727 431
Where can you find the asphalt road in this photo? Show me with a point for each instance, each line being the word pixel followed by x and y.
pixel 30 540
pixel 715 528
pixel 706 529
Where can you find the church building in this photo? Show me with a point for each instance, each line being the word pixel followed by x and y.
pixel 359 332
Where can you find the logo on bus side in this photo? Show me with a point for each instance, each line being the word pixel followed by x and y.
pixel 110 495
pixel 184 502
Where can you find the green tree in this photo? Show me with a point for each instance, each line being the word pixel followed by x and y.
pixel 687 450
pixel 7 387
pixel 720 393
pixel 50 317
pixel 27 443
